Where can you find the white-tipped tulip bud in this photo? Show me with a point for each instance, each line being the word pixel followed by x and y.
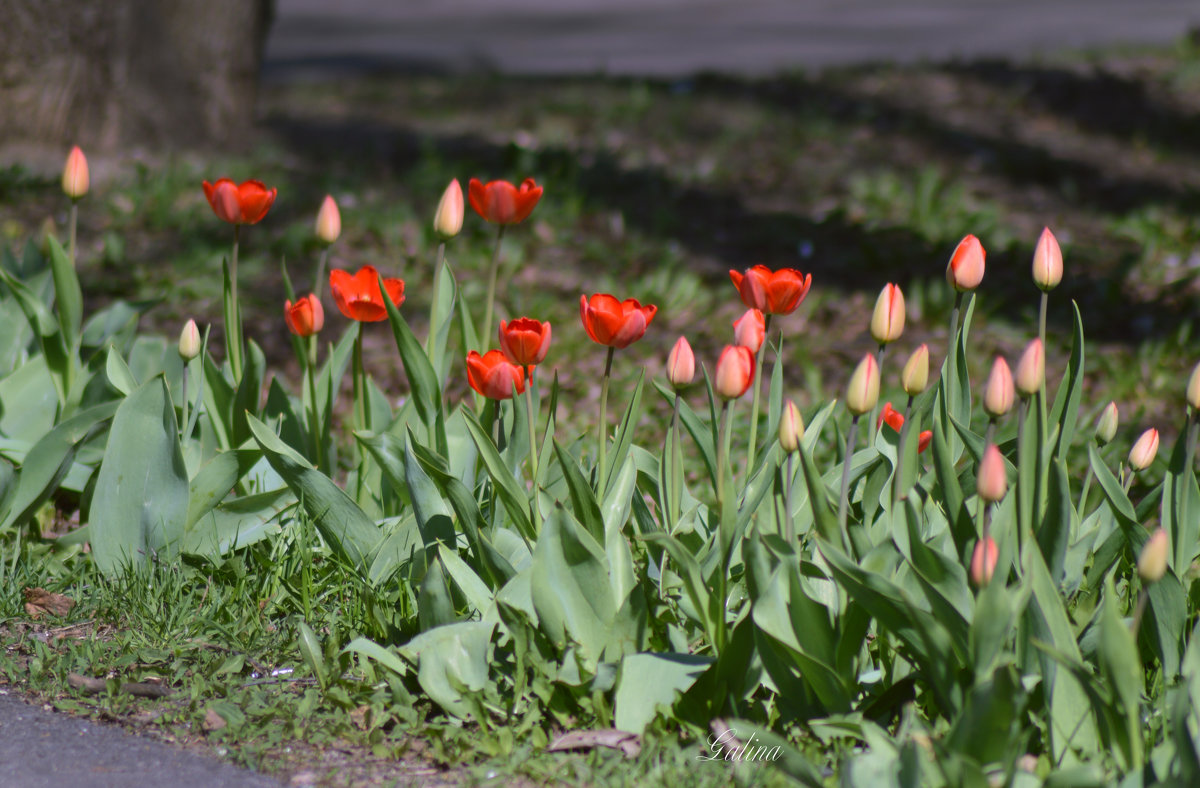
pixel 965 270
pixel 915 376
pixel 1152 563
pixel 791 427
pixel 983 561
pixel 75 174
pixel 887 322
pixel 863 392
pixel 1106 425
pixel 998 396
pixel 1193 389
pixel 448 219
pixel 681 364
pixel 1031 369
pixel 992 481
pixel 1047 261
pixel 1144 450
pixel 189 341
pixel 329 221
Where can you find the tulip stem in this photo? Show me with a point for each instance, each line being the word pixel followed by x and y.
pixel 985 528
pixel 184 404
pixel 362 412
pixel 603 427
pixel 493 269
pixel 314 419
pixel 1083 494
pixel 872 426
pixel 533 457
pixel 71 237
pixel 672 460
pixel 1042 318
pixel 897 483
pixel 1127 481
pixel 723 452
pixel 437 282
pixel 1143 600
pixel 844 496
pixel 322 262
pixel 789 522
pixel 757 383
pixel 233 333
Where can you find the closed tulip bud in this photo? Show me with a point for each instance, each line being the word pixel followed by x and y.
pixel 750 329
pixel 1106 425
pixel 983 561
pixel 1047 261
pixel 1031 369
pixel 863 392
pixel 735 372
pixel 992 481
pixel 887 322
pixel 189 341
pixel 791 427
pixel 329 221
pixel 1144 450
pixel 915 376
pixel 1193 389
pixel 998 396
pixel 1152 563
pixel 448 219
pixel 75 174
pixel 681 364
pixel 965 270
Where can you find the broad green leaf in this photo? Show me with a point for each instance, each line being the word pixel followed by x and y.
pixel 247 400
pixel 28 401
pixel 68 297
pixel 452 663
pixel 583 500
pixel 215 479
pixel 141 500
pixel 648 681
pixel 1055 530
pixel 1123 669
pixel 383 656
pixel 1165 622
pixel 701 435
pixel 508 488
pixel 1065 411
pixel 476 592
pixel 426 393
pixel 629 421
pixel 237 523
pixel 435 607
pixel 119 375
pixel 310 650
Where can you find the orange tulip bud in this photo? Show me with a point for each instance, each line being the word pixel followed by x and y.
pixel 998 396
pixel 189 341
pixel 992 481
pixel 681 364
pixel 735 372
pixel 1144 450
pixel 791 427
pixel 863 391
pixel 525 341
pixel 1152 563
pixel 1031 369
pixel 983 561
pixel 75 174
pixel 750 329
pixel 965 270
pixel 1047 261
pixel 887 322
pixel 305 317
pixel 1106 425
pixel 448 219
pixel 915 376
pixel 329 221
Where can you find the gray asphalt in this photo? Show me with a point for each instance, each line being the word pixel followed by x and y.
pixel 42 749
pixel 678 37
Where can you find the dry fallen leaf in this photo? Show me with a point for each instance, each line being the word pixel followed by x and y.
pixel 630 744
pixel 361 717
pixel 39 601
pixel 213 721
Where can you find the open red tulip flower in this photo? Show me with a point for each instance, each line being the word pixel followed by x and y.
pixel 244 203
pixel 771 292
pixel 358 296
pixel 493 375
pixel 895 419
pixel 524 341
pixel 614 323
pixel 499 202
pixel 305 317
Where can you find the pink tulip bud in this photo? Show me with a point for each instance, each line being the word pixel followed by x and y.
pixel 998 396
pixel 1144 450
pixel 915 376
pixel 983 561
pixel 863 392
pixel 791 427
pixel 1047 261
pixel 329 221
pixel 735 372
pixel 1152 563
pixel 75 174
pixel 887 322
pixel 750 329
pixel 681 364
pixel 1031 369
pixel 448 219
pixel 965 270
pixel 992 481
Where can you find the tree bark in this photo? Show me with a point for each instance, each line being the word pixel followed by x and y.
pixel 110 73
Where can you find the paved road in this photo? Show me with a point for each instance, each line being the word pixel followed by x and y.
pixel 41 749
pixel 677 37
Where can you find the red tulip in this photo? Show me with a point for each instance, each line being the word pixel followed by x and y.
pixel 358 297
pixel 614 323
pixel 499 202
pixel 895 420
pixel 735 372
pixel 525 341
pixel 247 203
pixel 772 292
pixel 305 317
pixel 494 376
pixel 750 329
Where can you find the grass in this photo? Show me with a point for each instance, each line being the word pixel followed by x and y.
pixel 654 190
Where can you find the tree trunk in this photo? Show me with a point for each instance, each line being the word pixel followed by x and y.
pixel 110 73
